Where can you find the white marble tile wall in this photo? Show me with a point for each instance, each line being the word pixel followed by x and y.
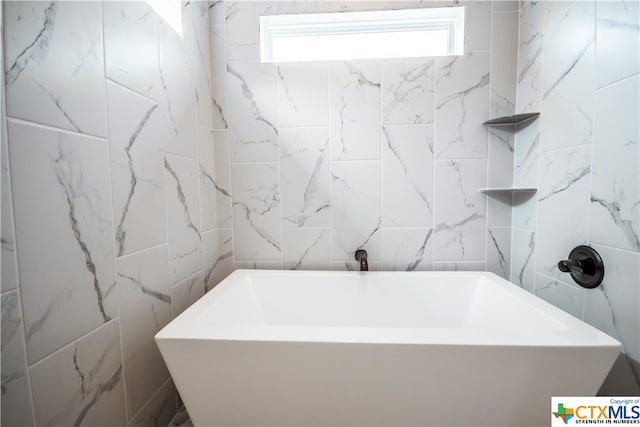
pixel 115 161
pixel 330 157
pixel 578 66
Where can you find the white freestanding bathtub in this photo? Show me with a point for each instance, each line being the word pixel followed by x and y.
pixel 275 348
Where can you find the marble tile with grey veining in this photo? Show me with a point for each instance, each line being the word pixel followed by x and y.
pixel 617 40
pixel 564 296
pixel 527 154
pixel 564 191
pixel 243 27
pixel 256 212
pixel 159 410
pixel 530 50
pixel 615 187
pixel 64 228
pixel 304 177
pixel 217 253
pixel 16 400
pixel 407 4
pixel 253 111
pixel 462 101
pixel 303 94
pixel 356 209
pixel 222 178
pixel 407 249
pixel 183 219
pixel 568 74
pixel 500 155
pixel 207 178
pixel 499 251
pixel 306 249
pixel 88 380
pixel 504 61
pixel 355 110
pixel 319 6
pixel 131 46
pixel 523 258
pixel 407 165
pixel 54 70
pixel 135 129
pixel 460 219
pixel 185 293
pixel 216 12
pixel 459 266
pixel 613 306
pixel 195 17
pixel 145 308
pixel 258 265
pixel 9 260
pixel 178 94
pixel 408 90
pixel 219 108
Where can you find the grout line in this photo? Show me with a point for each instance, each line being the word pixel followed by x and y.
pixel 229 176
pixel 487 231
pixel 540 152
pixel 433 161
pixel 608 85
pixel 330 161
pixel 101 139
pixel 73 342
pixel 278 148
pixel 16 261
pixel 381 160
pixel 613 248
pixel 148 401
pixel 113 225
pixel 180 156
pixel 128 89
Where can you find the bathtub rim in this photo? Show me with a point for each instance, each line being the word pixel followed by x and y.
pixel 577 333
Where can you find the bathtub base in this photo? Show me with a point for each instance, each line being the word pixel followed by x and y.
pixel 341 384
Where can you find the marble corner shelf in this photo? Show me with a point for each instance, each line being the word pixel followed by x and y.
pixel 513 120
pixel 508 189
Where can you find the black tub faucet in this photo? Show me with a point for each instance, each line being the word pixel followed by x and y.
pixel 361 256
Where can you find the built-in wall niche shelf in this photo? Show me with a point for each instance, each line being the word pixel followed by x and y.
pixel 489 190
pixel 513 120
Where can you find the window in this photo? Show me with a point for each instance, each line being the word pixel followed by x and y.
pixel 360 35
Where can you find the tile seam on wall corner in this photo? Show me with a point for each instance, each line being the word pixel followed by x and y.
pixel 433 160
pixel 381 157
pixel 622 79
pixel 50 128
pixel 5 136
pixel 139 251
pixel 613 248
pixel 64 347
pixel 128 89
pixel 148 401
pixel 278 84
pixel 199 272
pixel 487 232
pixel 181 156
pixel 110 184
